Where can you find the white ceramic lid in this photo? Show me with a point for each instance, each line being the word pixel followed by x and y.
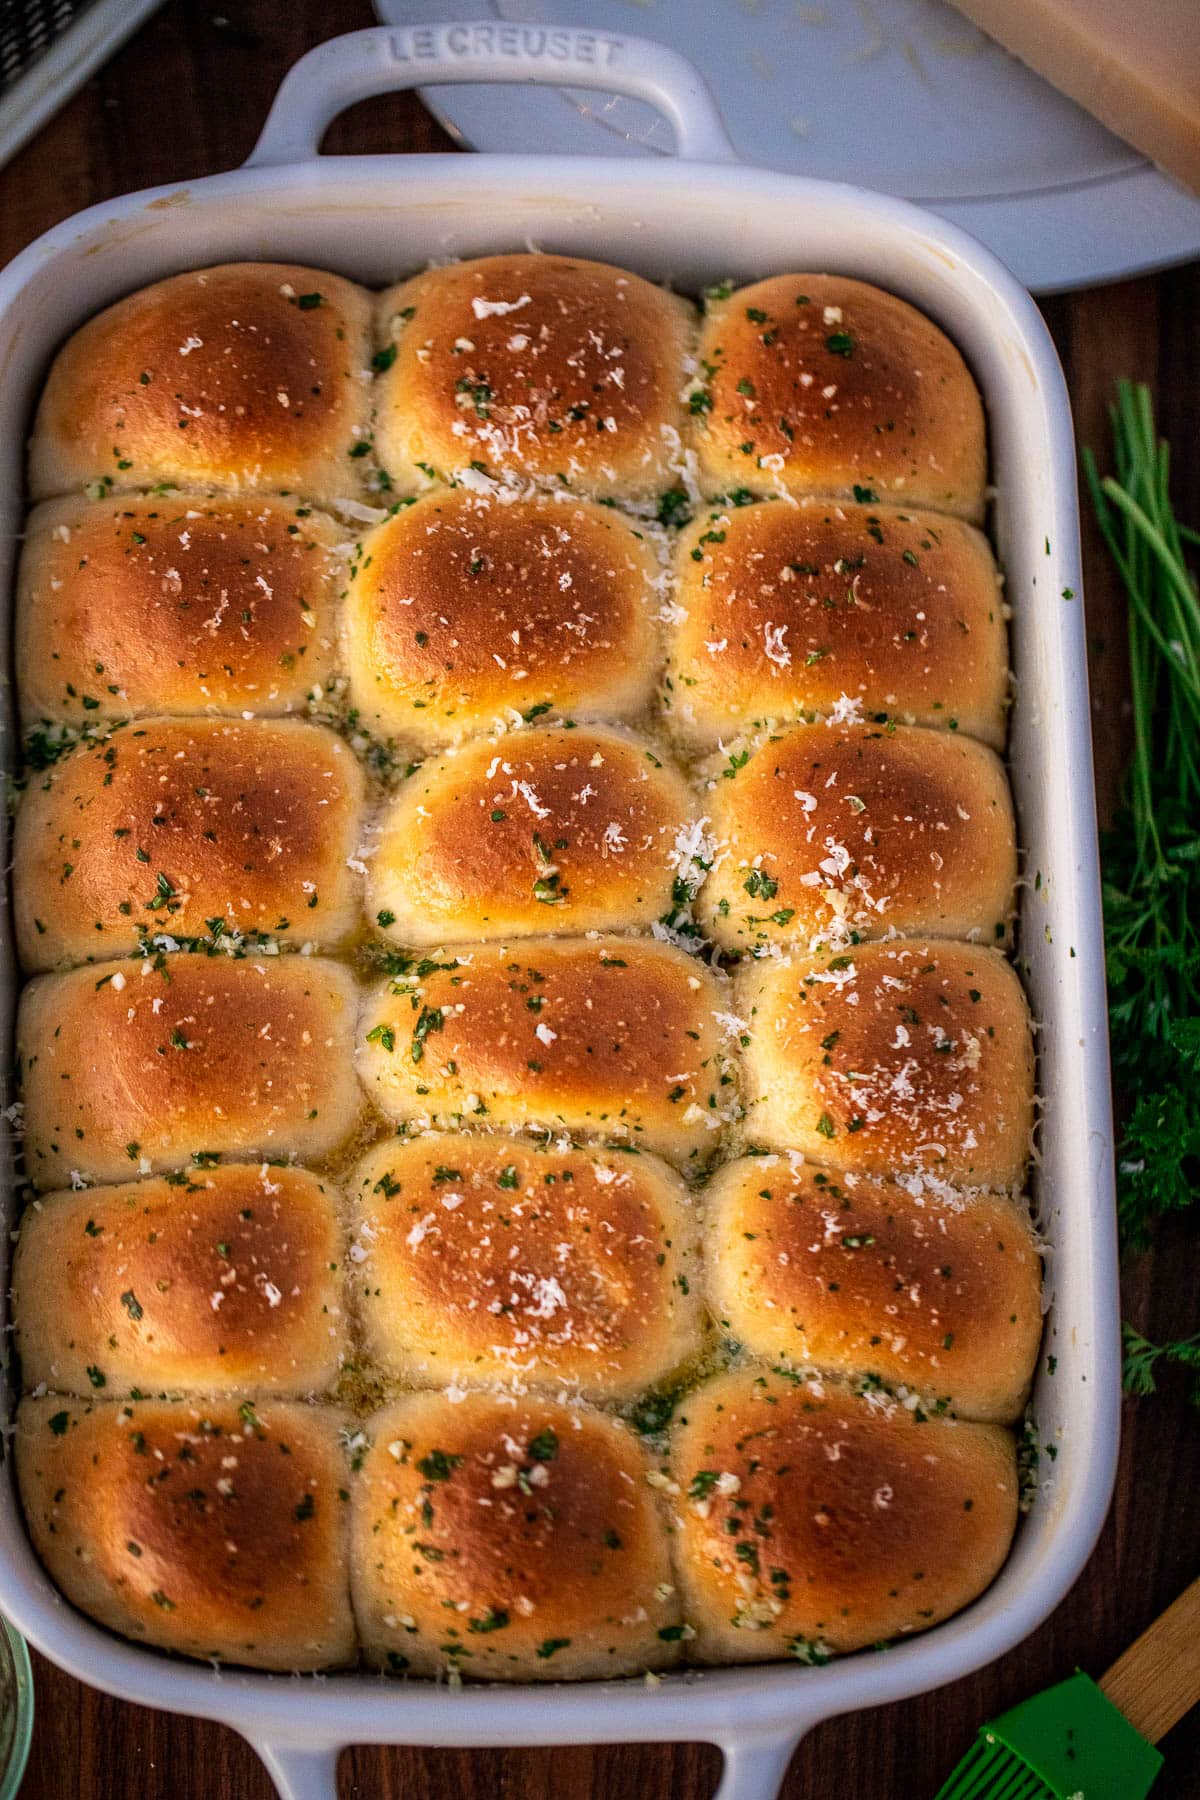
pixel 904 96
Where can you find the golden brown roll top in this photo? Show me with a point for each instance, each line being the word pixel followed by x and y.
pixel 789 610
pixel 480 1259
pixel 467 611
pixel 815 1520
pixel 211 1529
pixel 820 384
pixel 608 1037
pixel 913 1284
pixel 221 1280
pixel 515 1260
pixel 510 1539
pixel 242 377
pixel 829 834
pixel 539 831
pixel 898 1058
pixel 547 368
pixel 177 603
pixel 147 1065
pixel 192 828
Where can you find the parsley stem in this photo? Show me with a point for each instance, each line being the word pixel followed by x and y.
pixel 1151 856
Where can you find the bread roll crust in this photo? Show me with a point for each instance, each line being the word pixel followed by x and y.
pixel 509 1539
pixel 605 1037
pixel 831 834
pixel 909 1057
pixel 549 368
pixel 239 377
pixel 466 613
pixel 914 1284
pixel 171 824
pixel 179 603
pixel 480 1260
pixel 224 1280
pixel 214 1530
pixel 544 831
pixel 814 1520
pixel 791 610
pixel 524 1263
pixel 820 384
pixel 144 1066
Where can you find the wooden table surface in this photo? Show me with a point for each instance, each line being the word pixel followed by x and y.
pixel 186 97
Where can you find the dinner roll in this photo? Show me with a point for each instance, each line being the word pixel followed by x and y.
pixel 208 1528
pixel 221 1281
pixel 140 1068
pixel 815 1520
pixel 466 613
pixel 549 368
pixel 175 604
pixel 194 827
pixel 900 1057
pixel 545 830
pixel 243 377
pixel 817 384
pixel 910 1282
pixel 606 1036
pixel 831 834
pixel 479 1259
pixel 786 611
pixel 513 1539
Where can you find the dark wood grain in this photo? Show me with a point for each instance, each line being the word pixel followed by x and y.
pixel 184 98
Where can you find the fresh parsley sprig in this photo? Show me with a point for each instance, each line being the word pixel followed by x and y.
pixel 1151 856
pixel 1142 1358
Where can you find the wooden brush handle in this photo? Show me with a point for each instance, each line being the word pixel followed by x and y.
pixel 1158 1678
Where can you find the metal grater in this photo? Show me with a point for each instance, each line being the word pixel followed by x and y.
pixel 27 27
pixel 48 48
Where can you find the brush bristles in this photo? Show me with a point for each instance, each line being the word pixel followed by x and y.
pixel 991 1771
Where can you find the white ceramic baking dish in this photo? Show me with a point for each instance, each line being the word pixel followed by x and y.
pixel 690 221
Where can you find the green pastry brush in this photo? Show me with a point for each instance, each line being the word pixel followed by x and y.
pixel 1087 1740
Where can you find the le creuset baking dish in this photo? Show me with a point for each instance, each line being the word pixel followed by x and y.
pixel 688 221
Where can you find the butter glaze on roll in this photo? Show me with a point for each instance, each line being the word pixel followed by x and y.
pixel 479 1259
pixel 176 604
pixel 439 956
pixel 470 611
pixel 609 1037
pixel 830 834
pixel 139 1068
pixel 564 831
pixel 240 377
pixel 786 611
pixel 814 1520
pixel 547 368
pixel 193 827
pixel 511 1540
pixel 222 1280
pixel 817 384
pixel 212 1529
pixel 903 1057
pixel 910 1282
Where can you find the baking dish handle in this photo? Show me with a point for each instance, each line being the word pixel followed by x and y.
pixel 385 59
pixel 754 1770
pixel 300 1771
